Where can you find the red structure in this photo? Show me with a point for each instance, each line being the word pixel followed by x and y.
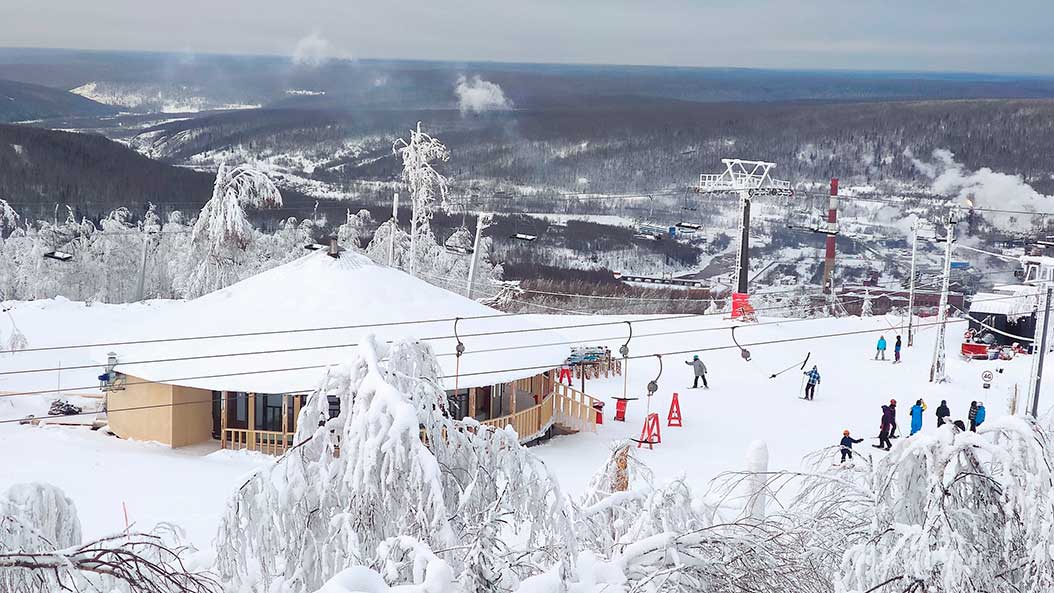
pixel 620 407
pixel 674 417
pixel 741 305
pixel 565 372
pixel 649 435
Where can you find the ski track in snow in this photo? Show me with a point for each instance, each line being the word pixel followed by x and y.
pixel 190 486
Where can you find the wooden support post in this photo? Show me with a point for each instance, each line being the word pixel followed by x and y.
pixel 251 403
pixel 285 419
pixel 223 419
pixel 471 402
pixel 515 390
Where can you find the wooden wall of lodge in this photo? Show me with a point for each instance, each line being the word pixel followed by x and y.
pixel 572 404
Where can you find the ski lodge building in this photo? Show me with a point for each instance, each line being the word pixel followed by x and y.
pixel 270 338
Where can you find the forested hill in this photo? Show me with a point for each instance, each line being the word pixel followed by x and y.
pixel 20 101
pixel 41 168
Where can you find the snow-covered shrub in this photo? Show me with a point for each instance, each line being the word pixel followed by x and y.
pixel 960 511
pixel 390 465
pixel 35 518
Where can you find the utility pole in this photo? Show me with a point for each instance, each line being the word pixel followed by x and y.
pixel 937 368
pixel 1037 357
pixel 911 287
pixel 747 179
pixel 482 222
pixel 832 225
pixel 395 227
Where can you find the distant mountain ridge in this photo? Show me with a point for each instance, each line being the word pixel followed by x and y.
pixel 40 169
pixel 21 101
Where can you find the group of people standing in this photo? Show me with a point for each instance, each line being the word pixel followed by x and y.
pixel 888 424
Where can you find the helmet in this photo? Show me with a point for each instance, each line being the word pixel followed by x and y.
pixel 696 357
pixel 845 432
pixel 892 402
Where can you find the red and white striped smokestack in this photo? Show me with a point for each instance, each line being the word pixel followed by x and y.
pixel 832 222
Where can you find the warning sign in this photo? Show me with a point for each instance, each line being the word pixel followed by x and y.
pixel 987 376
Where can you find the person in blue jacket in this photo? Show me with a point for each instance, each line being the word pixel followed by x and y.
pixel 896 351
pixel 814 379
pixel 881 350
pixel 847 445
pixel 978 417
pixel 916 416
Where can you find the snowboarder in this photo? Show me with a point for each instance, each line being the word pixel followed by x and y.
pixel 814 379
pixel 881 350
pixel 978 418
pixel 943 412
pixel 883 433
pixel 700 371
pixel 896 351
pixel 972 416
pixel 916 416
pixel 893 420
pixel 847 445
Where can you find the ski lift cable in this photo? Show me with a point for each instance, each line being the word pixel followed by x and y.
pixel 555 364
pixel 353 344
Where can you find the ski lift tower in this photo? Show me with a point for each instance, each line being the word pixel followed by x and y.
pixel 748 179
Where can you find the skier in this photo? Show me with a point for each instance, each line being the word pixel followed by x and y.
pixel 943 412
pixel 883 433
pixel 978 418
pixel 893 420
pixel 814 380
pixel 972 416
pixel 916 416
pixel 847 445
pixel 881 351
pixel 700 371
pixel 896 351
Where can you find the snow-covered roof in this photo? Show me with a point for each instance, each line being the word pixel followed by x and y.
pixel 318 291
pixel 991 303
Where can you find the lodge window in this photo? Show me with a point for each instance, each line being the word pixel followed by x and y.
pixel 269 411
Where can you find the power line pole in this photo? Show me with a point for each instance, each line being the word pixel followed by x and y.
pixel 937 369
pixel 832 222
pixel 1037 358
pixel 395 229
pixel 911 287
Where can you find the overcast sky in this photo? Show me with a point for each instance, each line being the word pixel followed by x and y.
pixel 965 35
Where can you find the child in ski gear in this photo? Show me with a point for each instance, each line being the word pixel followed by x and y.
pixel 943 412
pixel 893 419
pixel 883 434
pixel 700 371
pixel 896 351
pixel 814 380
pixel 916 416
pixel 847 445
pixel 881 351
pixel 978 418
pixel 972 416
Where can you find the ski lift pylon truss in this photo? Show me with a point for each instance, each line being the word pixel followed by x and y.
pixel 740 175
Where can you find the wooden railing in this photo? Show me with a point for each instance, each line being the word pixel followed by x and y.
pixel 574 409
pixel 264 441
pixel 529 424
pixel 565 406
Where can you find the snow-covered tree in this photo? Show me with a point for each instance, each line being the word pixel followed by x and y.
pixel 41 549
pixel 866 308
pixel 393 464
pixel 426 185
pixel 354 232
pixel 223 233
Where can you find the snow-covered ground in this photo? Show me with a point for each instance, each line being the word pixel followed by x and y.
pixel 189 486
